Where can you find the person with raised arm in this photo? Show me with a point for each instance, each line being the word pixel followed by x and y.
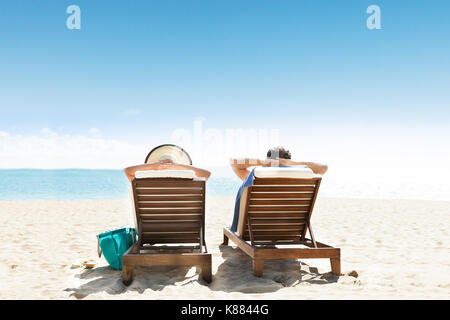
pixel 167 157
pixel 276 157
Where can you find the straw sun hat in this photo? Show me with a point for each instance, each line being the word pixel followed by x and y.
pixel 169 151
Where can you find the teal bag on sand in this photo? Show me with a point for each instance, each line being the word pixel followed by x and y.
pixel 113 244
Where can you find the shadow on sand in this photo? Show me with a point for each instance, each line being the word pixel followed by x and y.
pixel 108 280
pixel 235 274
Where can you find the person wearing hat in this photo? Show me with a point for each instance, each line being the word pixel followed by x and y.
pixel 167 157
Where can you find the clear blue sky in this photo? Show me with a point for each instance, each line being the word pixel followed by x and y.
pixel 282 64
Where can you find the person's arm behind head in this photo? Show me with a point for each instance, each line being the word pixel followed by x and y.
pixel 317 168
pixel 240 166
pixel 200 173
pixel 165 165
pixel 130 171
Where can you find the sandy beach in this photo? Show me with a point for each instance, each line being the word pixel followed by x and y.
pixel 391 249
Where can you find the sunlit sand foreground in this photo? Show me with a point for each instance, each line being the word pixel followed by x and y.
pixel 391 249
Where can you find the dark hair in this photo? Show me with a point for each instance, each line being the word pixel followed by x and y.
pixel 278 153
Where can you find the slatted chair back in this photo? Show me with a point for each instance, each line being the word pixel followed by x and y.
pixel 278 210
pixel 169 210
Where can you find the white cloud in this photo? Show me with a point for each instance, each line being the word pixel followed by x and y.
pixel 48 132
pixel 51 150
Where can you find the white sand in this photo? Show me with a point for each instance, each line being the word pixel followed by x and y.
pixel 399 249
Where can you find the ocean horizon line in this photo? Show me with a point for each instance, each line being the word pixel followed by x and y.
pixel 95 184
pixel 233 196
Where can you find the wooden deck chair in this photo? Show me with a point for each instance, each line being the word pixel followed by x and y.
pixel 170 217
pixel 275 216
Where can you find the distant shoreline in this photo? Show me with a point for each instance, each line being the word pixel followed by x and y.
pixel 111 184
pixel 230 198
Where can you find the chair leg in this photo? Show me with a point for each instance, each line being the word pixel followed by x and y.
pixel 258 267
pixel 206 272
pixel 336 266
pixel 127 275
pixel 225 240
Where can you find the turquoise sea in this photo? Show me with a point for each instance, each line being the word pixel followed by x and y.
pixel 31 184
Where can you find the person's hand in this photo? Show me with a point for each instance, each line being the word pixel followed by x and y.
pixel 245 161
pixel 285 162
pixel 253 162
pixel 270 163
pixel 165 164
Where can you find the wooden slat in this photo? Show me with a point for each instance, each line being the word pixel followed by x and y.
pixel 313 201
pixel 276 238
pixel 277 242
pixel 278 227
pixel 297 253
pixel 167 240
pixel 170 217
pixel 281 195
pixel 157 259
pixel 170 210
pixel 159 248
pixel 159 191
pixel 174 197
pixel 273 201
pixel 171 227
pixel 170 235
pixel 242 244
pixel 275 233
pixel 279 208
pixel 171 204
pixel 167 183
pixel 261 227
pixel 284 202
pixel 271 188
pixel 276 221
pixel 278 215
